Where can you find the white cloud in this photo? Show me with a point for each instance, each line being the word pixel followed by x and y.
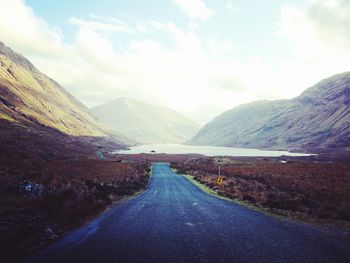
pixel 184 77
pixel 114 26
pixel 321 32
pixel 230 6
pixel 23 30
pixel 195 9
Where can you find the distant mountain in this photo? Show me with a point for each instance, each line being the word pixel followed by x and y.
pixel 34 106
pixel 317 120
pixel 146 123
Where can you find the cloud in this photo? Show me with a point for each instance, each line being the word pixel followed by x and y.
pixel 230 6
pixel 24 31
pixel 195 9
pixel 319 35
pixel 183 76
pixel 320 32
pixel 112 26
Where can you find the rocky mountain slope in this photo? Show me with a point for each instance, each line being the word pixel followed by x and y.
pixel 33 106
pixel 317 120
pixel 146 123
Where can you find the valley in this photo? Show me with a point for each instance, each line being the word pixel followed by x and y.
pixel 175 131
pixel 63 164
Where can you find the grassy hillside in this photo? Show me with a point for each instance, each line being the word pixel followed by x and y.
pixel 40 119
pixel 27 93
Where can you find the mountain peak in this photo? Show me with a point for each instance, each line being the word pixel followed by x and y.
pixel 16 57
pixel 318 119
pixel 144 122
pixel 332 88
pixel 29 97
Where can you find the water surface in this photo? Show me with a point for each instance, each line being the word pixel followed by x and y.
pixel 206 150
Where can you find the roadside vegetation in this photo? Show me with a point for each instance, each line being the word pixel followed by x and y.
pixel 42 200
pixel 304 189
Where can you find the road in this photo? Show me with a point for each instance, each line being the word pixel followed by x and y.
pixel 174 221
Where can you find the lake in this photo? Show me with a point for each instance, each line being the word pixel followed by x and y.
pixel 206 150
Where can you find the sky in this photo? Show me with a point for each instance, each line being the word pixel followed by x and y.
pixel 199 57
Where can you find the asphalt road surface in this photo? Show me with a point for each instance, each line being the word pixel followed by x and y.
pixel 174 221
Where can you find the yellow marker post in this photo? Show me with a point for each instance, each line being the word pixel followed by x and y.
pixel 219 180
